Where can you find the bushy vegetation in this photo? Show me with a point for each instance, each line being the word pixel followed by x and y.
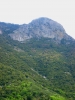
pixel 39 69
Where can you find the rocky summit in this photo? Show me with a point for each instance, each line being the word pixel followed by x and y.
pixel 41 27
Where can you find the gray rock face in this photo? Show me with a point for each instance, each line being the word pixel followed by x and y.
pixel 42 27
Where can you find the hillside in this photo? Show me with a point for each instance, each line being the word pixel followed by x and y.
pixel 37 68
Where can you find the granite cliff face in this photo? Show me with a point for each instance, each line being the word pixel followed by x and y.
pixel 41 27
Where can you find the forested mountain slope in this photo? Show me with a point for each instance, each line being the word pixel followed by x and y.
pixel 37 68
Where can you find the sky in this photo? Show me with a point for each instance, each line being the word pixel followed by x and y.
pixel 24 11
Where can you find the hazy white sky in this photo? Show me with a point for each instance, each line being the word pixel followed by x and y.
pixel 24 11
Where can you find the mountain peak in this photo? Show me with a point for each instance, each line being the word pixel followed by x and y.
pixel 41 27
pixel 42 19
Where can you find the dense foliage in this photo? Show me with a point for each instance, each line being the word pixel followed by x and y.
pixel 39 69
